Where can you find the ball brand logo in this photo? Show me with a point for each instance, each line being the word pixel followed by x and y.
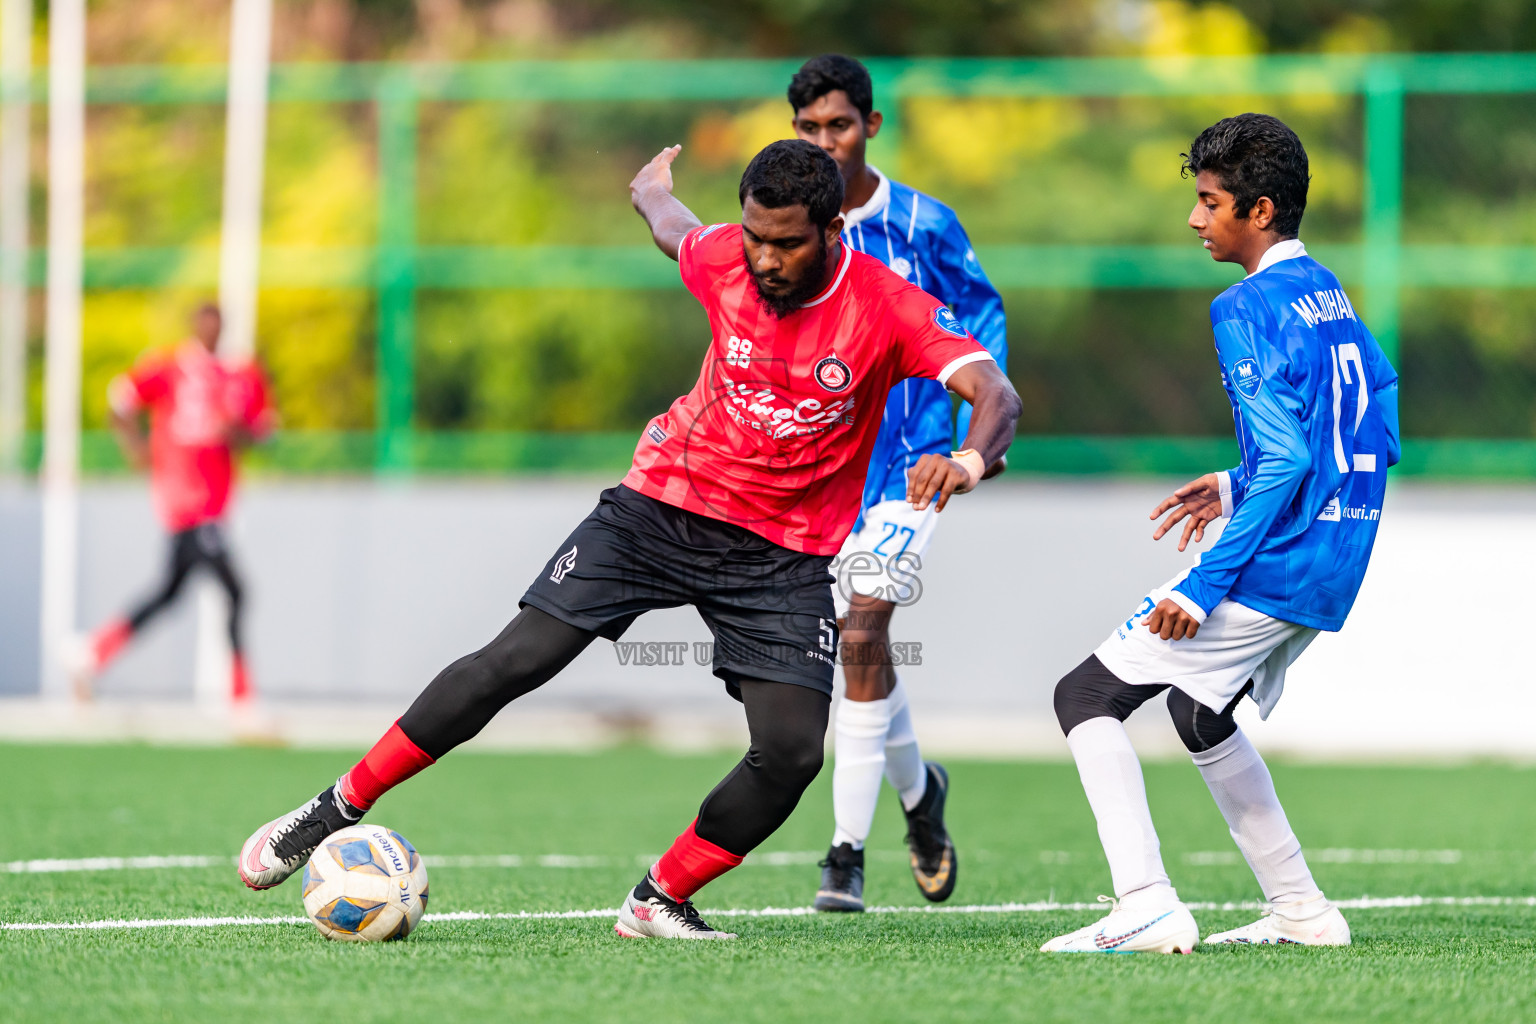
pixel 564 564
pixel 1245 377
pixel 833 374
pixel 948 322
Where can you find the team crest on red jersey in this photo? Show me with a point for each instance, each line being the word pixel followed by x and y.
pixel 833 374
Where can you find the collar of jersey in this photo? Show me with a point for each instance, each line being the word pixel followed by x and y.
pixel 1286 250
pixel 842 268
pixel 877 202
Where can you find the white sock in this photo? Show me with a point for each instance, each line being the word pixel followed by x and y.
pixel 1240 782
pixel 1111 774
pixel 903 761
pixel 858 766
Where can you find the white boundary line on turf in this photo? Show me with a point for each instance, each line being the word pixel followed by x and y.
pixel 1038 907
pixel 783 858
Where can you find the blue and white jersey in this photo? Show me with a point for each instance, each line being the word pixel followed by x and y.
pixel 1314 401
pixel 921 239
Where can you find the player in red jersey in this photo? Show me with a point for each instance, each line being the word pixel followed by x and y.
pixel 738 498
pixel 201 411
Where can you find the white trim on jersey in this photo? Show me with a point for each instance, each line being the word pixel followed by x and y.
pixel 841 271
pixel 1224 485
pixel 1183 601
pixel 959 361
pixel 876 204
pixel 1286 250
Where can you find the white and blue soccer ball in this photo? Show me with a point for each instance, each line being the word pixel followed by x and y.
pixel 365 883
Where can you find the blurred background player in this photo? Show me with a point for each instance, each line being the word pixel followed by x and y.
pixel 1314 401
pixel 200 411
pixel 921 240
pixel 736 502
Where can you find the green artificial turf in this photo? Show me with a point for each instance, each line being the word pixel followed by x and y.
pixel 1023 830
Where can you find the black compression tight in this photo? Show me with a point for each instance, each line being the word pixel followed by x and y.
pixel 200 545
pixel 466 695
pixel 1093 691
pixel 788 724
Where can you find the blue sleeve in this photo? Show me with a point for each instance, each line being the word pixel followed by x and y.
pixel 1384 394
pixel 959 282
pixel 1272 416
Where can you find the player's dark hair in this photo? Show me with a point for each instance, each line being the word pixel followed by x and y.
pixel 829 73
pixel 1255 155
pixel 794 173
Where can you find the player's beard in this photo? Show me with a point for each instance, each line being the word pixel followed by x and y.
pixel 782 304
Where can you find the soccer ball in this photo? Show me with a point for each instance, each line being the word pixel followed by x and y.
pixel 365 884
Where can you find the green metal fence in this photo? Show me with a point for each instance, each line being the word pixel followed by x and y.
pixel 397 267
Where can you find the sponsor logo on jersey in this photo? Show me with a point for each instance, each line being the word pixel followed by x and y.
pixel 948 322
pixel 902 266
pixel 833 374
pixel 564 564
pixel 1333 512
pixel 709 230
pixel 1245 377
pixel 655 433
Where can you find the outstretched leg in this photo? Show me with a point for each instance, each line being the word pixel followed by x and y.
pixel 463 698
pixel 108 641
pixel 1240 783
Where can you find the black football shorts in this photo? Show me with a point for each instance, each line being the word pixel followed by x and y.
pixel 769 608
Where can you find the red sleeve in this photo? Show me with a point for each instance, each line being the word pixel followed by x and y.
pixel 252 401
pixel 144 385
pixel 930 341
pixel 706 252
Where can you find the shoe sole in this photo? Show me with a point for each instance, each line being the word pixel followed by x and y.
pixel 938 887
pixel 624 932
pixel 833 903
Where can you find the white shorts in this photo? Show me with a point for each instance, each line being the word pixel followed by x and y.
pixel 1233 645
pixel 885 559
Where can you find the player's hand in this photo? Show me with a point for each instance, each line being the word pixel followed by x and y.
pixel 1199 501
pixel 655 175
pixel 939 475
pixel 1170 621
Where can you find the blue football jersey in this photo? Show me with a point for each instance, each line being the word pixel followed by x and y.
pixel 1314 401
pixel 921 239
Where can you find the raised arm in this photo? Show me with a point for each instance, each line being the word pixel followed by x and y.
pixel 651 194
pixel 995 415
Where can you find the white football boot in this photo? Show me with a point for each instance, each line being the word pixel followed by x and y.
pixel 1138 926
pixel 283 845
pixel 648 913
pixel 1313 922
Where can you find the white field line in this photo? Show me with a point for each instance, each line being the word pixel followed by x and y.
pixel 1037 907
pixel 787 858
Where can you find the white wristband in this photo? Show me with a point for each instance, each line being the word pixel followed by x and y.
pixel 969 459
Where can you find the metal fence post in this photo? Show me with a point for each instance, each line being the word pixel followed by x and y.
pixel 1384 203
pixel 395 391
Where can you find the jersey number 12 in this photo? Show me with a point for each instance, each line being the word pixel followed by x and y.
pixel 1346 357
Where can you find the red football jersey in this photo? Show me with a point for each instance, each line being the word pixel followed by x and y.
pixel 777 433
pixel 193 399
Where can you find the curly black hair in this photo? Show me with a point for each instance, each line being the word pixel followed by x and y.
pixel 794 173
pixel 1255 155
pixel 828 73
